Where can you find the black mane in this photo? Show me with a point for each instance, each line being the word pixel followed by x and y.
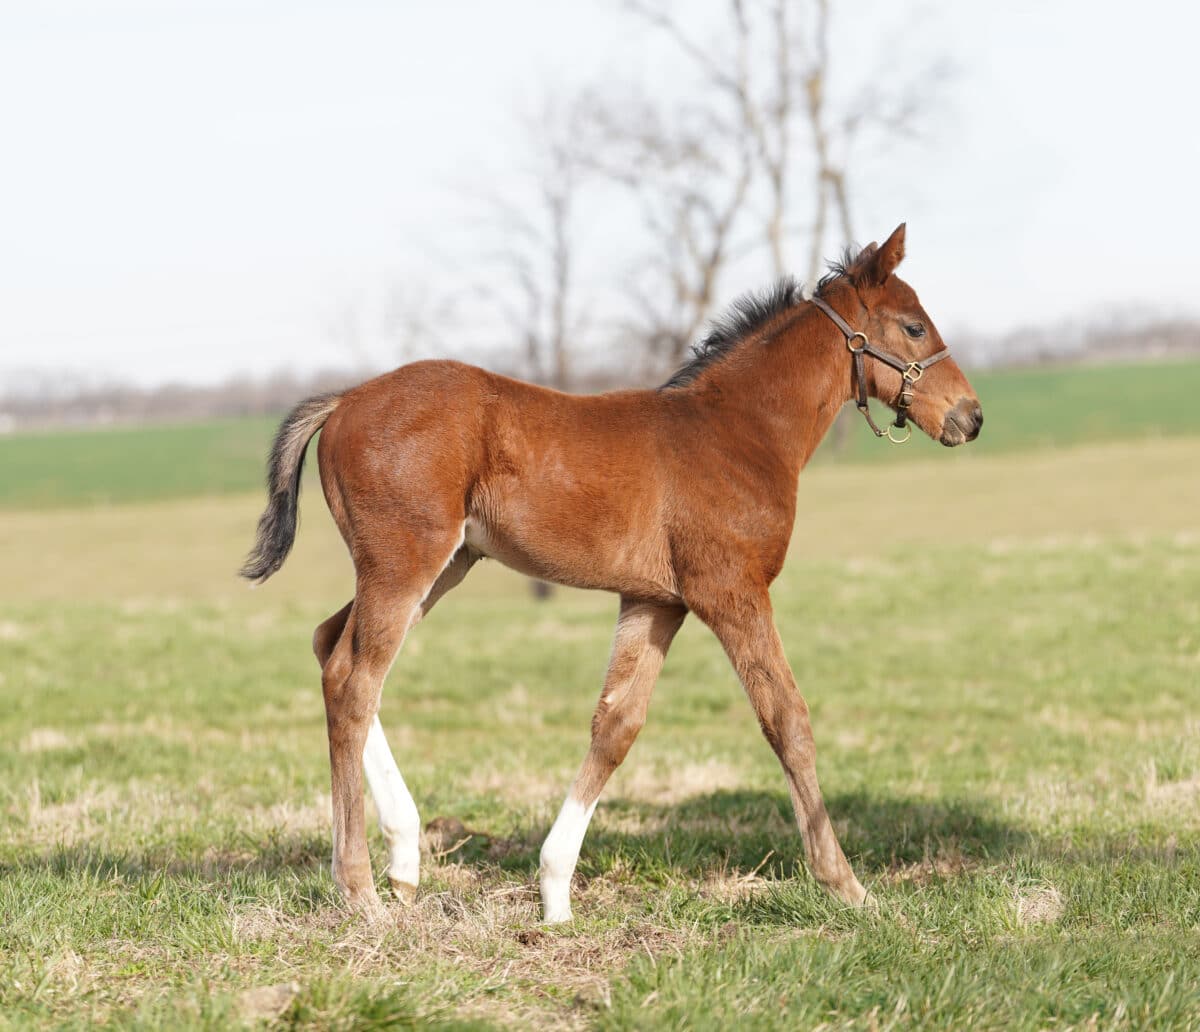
pixel 837 268
pixel 750 313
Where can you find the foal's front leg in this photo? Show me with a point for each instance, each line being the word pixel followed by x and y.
pixel 747 631
pixel 644 633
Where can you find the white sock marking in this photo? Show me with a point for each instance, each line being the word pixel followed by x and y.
pixel 398 817
pixel 560 854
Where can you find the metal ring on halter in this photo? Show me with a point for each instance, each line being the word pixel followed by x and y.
pixel 899 440
pixel 850 343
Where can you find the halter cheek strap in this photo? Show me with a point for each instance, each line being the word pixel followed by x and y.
pixel 910 372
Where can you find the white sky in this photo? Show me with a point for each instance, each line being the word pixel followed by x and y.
pixel 191 189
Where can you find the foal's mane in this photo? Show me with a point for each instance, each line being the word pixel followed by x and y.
pixel 749 314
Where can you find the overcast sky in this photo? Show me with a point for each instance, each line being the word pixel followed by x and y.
pixel 190 189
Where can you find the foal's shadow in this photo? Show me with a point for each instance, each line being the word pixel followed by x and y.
pixel 716 835
pixel 732 832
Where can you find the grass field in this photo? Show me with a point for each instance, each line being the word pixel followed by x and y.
pixel 1025 409
pixel 1002 655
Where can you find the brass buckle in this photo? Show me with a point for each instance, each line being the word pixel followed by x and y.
pixel 905 399
pixel 850 343
pixel 914 371
pixel 899 440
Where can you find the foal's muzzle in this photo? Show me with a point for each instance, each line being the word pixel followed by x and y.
pixel 962 423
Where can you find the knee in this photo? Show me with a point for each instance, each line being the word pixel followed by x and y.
pixel 614 732
pixel 791 739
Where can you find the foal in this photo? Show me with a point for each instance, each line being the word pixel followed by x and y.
pixel 678 499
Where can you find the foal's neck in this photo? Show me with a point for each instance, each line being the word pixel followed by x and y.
pixel 788 385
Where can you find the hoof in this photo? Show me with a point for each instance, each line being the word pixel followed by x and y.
pixel 556 913
pixel 853 894
pixel 405 892
pixel 366 903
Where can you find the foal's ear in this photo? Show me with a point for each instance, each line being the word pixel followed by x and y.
pixel 876 264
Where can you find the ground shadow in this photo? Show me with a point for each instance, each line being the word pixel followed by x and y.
pixel 718 832
pixel 294 854
pixel 713 835
pixel 739 831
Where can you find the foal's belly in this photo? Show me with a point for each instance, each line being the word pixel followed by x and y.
pixel 566 553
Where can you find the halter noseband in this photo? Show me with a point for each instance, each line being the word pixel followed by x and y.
pixel 910 371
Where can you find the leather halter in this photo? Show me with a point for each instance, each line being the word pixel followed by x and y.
pixel 911 372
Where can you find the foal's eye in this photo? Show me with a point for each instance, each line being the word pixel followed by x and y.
pixel 915 330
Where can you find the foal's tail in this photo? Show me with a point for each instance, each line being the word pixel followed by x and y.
pixel 277 525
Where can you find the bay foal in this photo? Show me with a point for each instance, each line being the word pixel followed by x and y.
pixel 679 500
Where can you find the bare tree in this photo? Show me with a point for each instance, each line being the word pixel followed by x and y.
pixel 532 265
pixel 889 113
pixel 688 175
pixel 760 90
pixel 415 320
pixel 725 175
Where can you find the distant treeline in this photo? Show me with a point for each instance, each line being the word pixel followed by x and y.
pixel 48 402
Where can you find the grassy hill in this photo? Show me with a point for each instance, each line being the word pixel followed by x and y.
pixel 1035 408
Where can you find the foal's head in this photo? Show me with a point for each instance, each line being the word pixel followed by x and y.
pixel 943 403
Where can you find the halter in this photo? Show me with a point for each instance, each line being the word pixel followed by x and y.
pixel 910 371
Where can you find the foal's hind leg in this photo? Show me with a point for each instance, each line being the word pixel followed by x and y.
pixel 388 601
pixel 399 819
pixel 644 633
pixel 747 630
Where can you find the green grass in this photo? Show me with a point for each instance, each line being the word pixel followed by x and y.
pixel 1047 407
pixel 1025 409
pixel 1003 687
pixel 73 467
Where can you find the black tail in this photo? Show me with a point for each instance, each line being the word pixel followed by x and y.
pixel 277 525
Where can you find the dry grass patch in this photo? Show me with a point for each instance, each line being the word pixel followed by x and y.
pixel 518 785
pixel 945 863
pixel 735 886
pixel 45 739
pixel 266 1002
pixel 293 818
pixel 68 822
pixel 1041 905
pixel 1174 793
pixel 523 974
pixel 10 630
pixel 669 785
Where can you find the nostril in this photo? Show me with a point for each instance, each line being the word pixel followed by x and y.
pixel 977 412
